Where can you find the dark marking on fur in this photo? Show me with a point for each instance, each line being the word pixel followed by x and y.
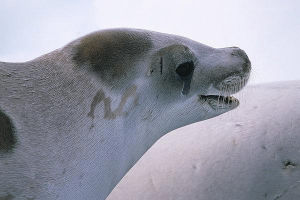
pixel 151 71
pixel 96 100
pixel 289 164
pixel 113 53
pixel 129 92
pixel 264 147
pixel 161 65
pixel 7 133
pixel 108 113
pixel 7 197
pixel 147 115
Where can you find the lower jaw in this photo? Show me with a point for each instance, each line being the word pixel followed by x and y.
pixel 228 99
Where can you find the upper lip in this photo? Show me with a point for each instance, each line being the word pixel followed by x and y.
pixel 232 84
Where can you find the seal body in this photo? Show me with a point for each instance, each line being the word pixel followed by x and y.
pixel 77 119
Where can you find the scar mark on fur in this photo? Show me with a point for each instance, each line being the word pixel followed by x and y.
pixel 108 113
pixel 7 133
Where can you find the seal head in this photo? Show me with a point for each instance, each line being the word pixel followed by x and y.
pixel 169 71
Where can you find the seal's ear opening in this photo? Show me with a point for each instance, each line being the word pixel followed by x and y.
pixel 185 72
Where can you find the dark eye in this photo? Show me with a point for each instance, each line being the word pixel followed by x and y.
pixel 185 69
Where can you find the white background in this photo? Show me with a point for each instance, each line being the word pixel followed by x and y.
pixel 268 30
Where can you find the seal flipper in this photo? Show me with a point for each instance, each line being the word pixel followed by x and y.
pixel 7 133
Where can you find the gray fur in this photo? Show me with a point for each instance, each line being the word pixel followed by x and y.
pixel 85 113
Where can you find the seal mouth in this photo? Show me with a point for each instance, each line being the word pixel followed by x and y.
pixel 228 99
pixel 218 101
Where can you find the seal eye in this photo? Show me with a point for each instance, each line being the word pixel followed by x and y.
pixel 184 70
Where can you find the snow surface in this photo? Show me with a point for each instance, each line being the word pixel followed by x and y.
pixel 252 152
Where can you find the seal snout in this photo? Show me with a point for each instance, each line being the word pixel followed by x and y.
pixel 236 72
pixel 246 66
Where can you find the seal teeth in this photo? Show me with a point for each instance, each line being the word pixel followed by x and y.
pixel 229 99
pixel 224 99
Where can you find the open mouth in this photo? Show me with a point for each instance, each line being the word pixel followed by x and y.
pixel 229 100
